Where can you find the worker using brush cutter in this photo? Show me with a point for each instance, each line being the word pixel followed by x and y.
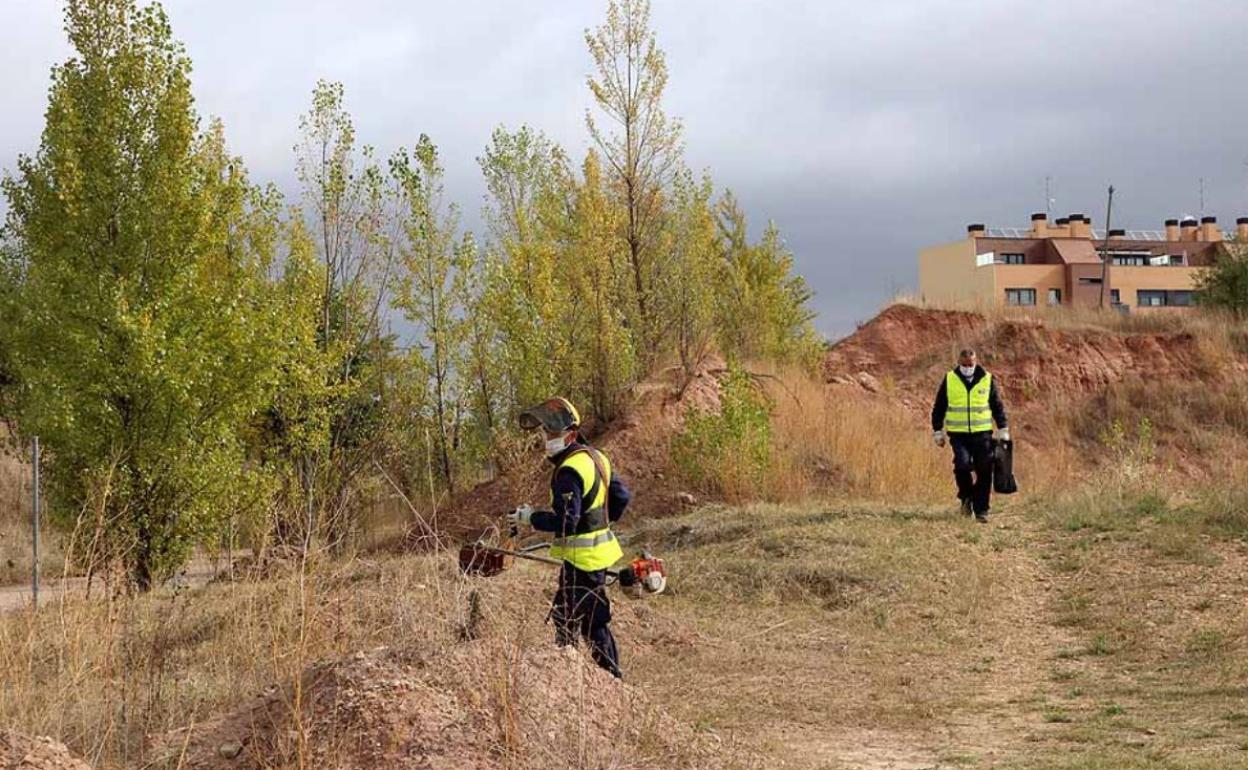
pixel 585 498
pixel 967 404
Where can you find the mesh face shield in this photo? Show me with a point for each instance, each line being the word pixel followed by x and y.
pixel 555 415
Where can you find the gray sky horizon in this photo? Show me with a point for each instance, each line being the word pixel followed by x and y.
pixel 865 131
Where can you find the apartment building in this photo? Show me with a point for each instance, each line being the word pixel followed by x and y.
pixel 1060 263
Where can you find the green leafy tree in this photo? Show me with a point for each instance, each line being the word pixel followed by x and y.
pixel 641 150
pixel 599 362
pixel 140 319
pixel 352 225
pixel 483 357
pixel 764 309
pixel 431 285
pixel 1224 285
pixel 525 178
pixel 690 294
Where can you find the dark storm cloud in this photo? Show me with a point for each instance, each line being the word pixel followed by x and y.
pixel 863 130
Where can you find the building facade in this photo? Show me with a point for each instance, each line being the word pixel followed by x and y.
pixel 1060 263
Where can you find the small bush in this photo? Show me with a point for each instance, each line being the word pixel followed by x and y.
pixel 728 451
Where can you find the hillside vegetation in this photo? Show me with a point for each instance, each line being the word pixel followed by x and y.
pixel 212 366
pixel 1096 623
pixel 212 371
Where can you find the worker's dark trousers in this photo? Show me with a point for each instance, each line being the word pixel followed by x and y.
pixel 972 467
pixel 582 608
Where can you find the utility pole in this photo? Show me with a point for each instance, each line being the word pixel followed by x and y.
pixel 1109 210
pixel 34 518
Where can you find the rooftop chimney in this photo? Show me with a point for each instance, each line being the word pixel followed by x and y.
pixel 1172 229
pixel 1209 230
pixel 1080 226
pixel 1188 229
pixel 1241 229
pixel 1040 225
pixel 1117 234
pixel 976 231
pixel 1061 228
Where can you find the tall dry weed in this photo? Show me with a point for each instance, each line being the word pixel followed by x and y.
pixel 830 440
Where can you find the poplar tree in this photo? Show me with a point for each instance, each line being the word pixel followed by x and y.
pixel 140 320
pixel 640 145
pixel 525 177
pixel 764 307
pixel 348 210
pixel 431 284
pixel 696 281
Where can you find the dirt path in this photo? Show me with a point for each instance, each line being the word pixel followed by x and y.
pixel 1002 690
pixel 15 597
pixel 952 667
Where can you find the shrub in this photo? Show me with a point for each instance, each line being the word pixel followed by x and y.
pixel 728 452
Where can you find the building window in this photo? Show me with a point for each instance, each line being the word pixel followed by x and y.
pixel 1013 259
pixel 1132 260
pixel 1164 298
pixel 1089 281
pixel 1115 297
pixel 1055 296
pixel 1020 297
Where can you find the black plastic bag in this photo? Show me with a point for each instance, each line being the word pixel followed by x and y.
pixel 1003 482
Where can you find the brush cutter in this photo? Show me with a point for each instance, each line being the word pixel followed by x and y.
pixel 644 576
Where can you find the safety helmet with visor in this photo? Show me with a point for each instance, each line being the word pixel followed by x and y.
pixel 557 417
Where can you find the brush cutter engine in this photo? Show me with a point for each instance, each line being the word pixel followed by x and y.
pixel 645 576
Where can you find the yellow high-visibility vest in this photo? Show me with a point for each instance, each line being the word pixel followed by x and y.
pixel 968 410
pixel 593 546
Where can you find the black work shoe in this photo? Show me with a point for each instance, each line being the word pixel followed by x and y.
pixel 966 507
pixel 982 517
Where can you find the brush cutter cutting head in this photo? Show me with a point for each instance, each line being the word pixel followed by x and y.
pixel 478 559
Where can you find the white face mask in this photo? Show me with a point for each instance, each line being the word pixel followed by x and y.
pixel 555 445
pixel 967 371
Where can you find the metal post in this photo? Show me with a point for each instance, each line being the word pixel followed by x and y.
pixel 34 517
pixel 1109 213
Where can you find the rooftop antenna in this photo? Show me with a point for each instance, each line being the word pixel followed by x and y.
pixel 1049 200
pixel 1202 196
pixel 1109 210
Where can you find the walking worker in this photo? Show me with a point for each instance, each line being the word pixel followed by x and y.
pixel 585 497
pixel 967 404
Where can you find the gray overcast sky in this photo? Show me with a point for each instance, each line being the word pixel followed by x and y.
pixel 865 130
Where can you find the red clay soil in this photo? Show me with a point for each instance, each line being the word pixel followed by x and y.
pixel 476 708
pixel 1056 382
pixel 19 752
pixel 889 344
pixel 911 347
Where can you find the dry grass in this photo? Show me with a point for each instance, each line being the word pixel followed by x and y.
pixel 831 617
pixel 1223 329
pixel 819 635
pixel 15 527
pixel 1151 589
pixel 109 675
pixel 834 441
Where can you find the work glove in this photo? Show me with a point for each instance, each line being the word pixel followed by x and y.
pixel 522 515
pixel 1003 434
pixel 938 438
